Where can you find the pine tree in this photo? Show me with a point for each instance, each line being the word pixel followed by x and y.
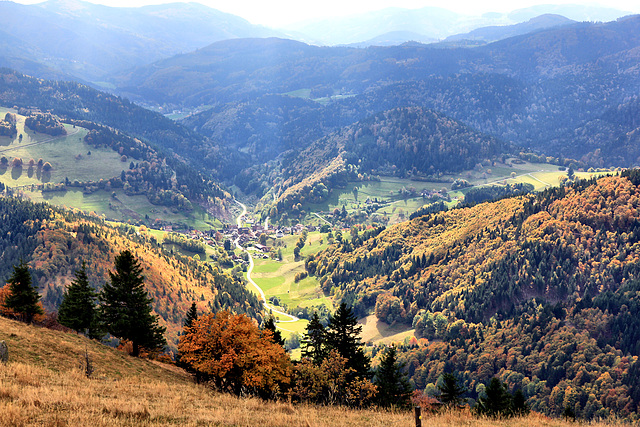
pixel 126 306
pixel 270 325
pixel 343 335
pixel 192 316
pixel 497 403
pixel 23 299
pixel 314 341
pixel 393 386
pixel 78 307
pixel 450 391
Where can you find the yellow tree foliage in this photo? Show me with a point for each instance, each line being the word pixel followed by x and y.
pixel 235 355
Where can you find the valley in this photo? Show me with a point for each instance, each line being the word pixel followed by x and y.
pixel 357 226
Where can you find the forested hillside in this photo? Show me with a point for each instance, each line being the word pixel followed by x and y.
pixel 548 281
pixel 55 242
pixel 538 90
pixel 404 142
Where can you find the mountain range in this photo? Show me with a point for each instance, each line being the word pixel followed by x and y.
pixel 74 39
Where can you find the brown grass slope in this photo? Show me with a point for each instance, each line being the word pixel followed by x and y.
pixel 43 385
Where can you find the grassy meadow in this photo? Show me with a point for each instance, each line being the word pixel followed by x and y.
pixel 69 156
pixel 397 207
pixel 72 158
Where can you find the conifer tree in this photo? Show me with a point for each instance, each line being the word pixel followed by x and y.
pixel 78 307
pixel 393 386
pixel 497 403
pixel 23 299
pixel 450 391
pixel 520 406
pixel 126 306
pixel 343 335
pixel 270 325
pixel 314 341
pixel 192 316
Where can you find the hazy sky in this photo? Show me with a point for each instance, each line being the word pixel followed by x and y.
pixel 281 12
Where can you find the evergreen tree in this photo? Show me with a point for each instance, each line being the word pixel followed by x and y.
pixel 126 306
pixel 497 403
pixel 270 325
pixel 520 407
pixel 450 391
pixel 23 299
pixel 192 316
pixel 314 340
pixel 343 335
pixel 393 386
pixel 78 307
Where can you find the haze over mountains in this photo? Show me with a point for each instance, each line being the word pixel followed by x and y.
pixel 81 40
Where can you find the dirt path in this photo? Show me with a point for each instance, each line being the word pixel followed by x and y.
pixel 31 144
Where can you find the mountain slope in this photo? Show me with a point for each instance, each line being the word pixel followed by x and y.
pixel 55 242
pixel 89 41
pixel 186 152
pixel 523 288
pixel 404 142
pixel 530 89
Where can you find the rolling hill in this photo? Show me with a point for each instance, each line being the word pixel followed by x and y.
pixel 43 384
pixel 404 142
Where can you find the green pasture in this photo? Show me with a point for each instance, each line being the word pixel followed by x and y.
pixel 123 207
pixel 397 207
pixel 277 278
pixel 69 156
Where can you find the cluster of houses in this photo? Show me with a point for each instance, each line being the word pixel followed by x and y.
pixel 249 235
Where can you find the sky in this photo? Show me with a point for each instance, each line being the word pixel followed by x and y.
pixel 277 13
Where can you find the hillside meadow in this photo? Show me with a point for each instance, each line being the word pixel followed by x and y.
pixel 44 384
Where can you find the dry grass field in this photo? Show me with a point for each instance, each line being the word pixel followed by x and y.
pixel 44 385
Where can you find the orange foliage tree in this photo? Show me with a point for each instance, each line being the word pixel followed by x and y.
pixel 235 355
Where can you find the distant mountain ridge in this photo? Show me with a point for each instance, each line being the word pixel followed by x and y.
pixel 536 90
pixel 89 40
pixel 494 33
pixel 435 23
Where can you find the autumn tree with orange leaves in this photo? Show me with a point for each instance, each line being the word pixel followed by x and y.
pixel 235 355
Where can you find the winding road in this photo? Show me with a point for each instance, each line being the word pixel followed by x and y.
pixel 268 306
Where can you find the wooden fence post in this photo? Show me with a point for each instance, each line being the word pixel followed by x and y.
pixel 418 417
pixel 4 352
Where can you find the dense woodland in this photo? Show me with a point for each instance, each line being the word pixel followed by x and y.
pixel 514 277
pixel 404 142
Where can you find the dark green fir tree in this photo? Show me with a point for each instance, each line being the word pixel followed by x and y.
pixel 78 309
pixel 314 340
pixel 497 402
pixel 270 325
pixel 126 306
pixel 343 335
pixel 450 390
pixel 394 389
pixel 192 316
pixel 24 298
